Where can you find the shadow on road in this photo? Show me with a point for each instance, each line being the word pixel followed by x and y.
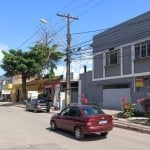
pixel 9 104
pixel 92 137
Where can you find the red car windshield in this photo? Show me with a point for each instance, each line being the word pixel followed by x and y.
pixel 91 110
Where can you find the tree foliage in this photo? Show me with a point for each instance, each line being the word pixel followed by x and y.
pixel 19 62
pixel 47 57
pixel 30 63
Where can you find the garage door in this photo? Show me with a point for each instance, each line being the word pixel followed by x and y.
pixel 111 97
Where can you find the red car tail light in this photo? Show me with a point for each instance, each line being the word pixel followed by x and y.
pixel 89 123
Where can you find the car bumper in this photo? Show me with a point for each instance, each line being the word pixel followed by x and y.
pixel 98 129
pixel 42 108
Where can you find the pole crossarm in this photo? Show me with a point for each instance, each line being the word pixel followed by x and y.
pixel 67 16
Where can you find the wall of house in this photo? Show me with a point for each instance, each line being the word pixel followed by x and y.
pixel 126 60
pixel 127 32
pixel 101 70
pixel 112 70
pixel 92 91
pixel 142 65
pixel 98 61
pixel 124 73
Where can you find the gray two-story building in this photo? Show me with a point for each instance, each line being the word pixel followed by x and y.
pixel 121 63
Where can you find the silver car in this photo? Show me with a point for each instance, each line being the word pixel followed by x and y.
pixel 37 105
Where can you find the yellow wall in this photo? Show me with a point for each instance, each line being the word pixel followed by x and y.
pixel 36 85
pixel 16 89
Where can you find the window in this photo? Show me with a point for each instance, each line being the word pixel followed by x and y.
pixel 116 86
pixel 112 57
pixel 142 49
pixel 73 112
pixel 137 51
pixel 148 48
pixel 65 112
pixel 93 110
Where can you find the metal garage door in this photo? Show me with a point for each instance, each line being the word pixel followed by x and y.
pixel 111 97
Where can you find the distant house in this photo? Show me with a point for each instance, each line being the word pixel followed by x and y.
pixel 121 63
pixel 4 93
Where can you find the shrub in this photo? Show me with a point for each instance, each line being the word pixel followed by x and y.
pixel 128 108
pixel 139 114
pixel 145 103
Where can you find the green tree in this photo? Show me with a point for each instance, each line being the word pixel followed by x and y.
pixel 30 63
pixel 47 56
pixel 17 62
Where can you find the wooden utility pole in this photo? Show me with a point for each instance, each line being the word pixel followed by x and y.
pixel 68 51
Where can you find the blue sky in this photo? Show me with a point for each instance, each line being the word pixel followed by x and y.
pixel 20 20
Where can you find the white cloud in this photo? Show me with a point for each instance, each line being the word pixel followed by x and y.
pixel 61 70
pixel 2 47
pixel 77 67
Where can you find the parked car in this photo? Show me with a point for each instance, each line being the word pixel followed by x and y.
pixel 82 120
pixel 2 98
pixel 38 105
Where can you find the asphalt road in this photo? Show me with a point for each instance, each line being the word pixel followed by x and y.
pixel 22 130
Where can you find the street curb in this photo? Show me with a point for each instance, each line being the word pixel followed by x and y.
pixel 130 126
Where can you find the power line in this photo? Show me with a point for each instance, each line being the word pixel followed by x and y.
pixel 107 34
pixel 80 6
pixel 89 31
pixel 83 4
pixel 90 8
pixel 28 39
pixel 52 34
pixel 118 27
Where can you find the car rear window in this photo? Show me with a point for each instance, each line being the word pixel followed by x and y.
pixel 92 110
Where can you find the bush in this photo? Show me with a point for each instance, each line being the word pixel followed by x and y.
pixel 145 103
pixel 128 108
pixel 139 114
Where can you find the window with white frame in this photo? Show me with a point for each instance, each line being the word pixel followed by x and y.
pixel 112 57
pixel 142 49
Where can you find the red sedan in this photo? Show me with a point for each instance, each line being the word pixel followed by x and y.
pixel 82 120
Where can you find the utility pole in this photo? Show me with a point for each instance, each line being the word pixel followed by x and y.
pixel 68 51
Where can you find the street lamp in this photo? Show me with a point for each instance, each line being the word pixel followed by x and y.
pixel 43 21
pixel 46 35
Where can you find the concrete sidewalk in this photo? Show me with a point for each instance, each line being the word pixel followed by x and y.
pixel 134 123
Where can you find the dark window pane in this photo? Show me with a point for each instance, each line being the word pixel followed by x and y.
pixel 148 48
pixel 143 49
pixel 113 58
pixel 73 112
pixel 107 59
pixel 137 51
pixel 92 110
pixel 65 112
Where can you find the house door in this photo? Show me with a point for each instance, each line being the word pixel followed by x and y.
pixel 112 97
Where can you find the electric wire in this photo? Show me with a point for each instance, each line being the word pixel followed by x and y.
pixel 76 33
pixel 30 37
pixel 90 8
pixel 52 34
